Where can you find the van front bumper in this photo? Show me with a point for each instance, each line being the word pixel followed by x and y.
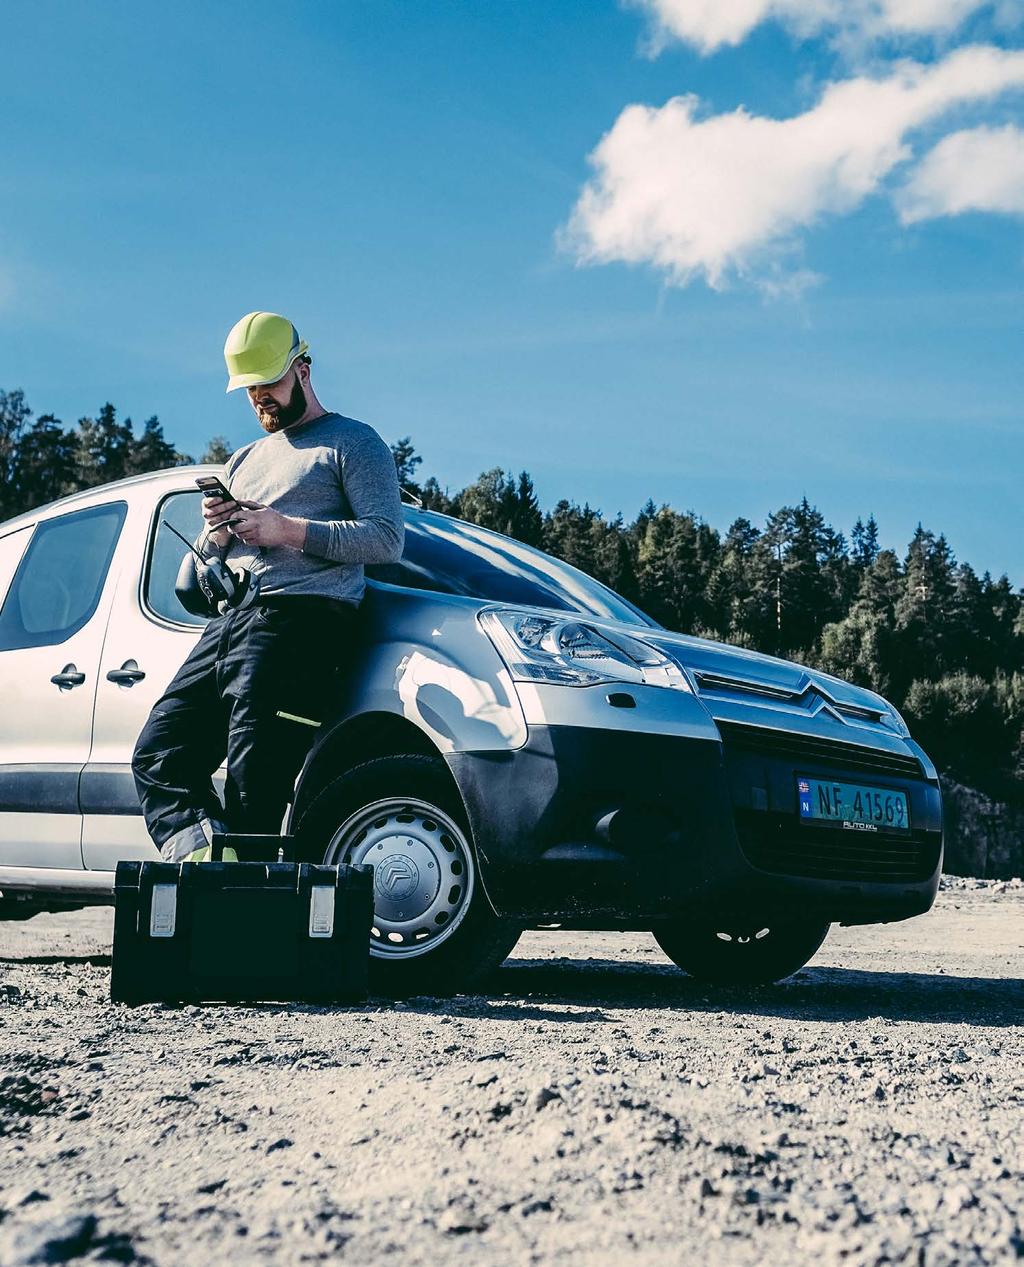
pixel 622 828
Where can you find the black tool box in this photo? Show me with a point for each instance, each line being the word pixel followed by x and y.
pixel 241 932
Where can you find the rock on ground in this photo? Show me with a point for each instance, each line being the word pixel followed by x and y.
pixel 593 1106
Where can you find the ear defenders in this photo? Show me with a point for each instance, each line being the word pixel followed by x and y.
pixel 208 587
pixel 225 589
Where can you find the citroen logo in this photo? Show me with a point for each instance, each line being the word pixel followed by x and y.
pixel 396 877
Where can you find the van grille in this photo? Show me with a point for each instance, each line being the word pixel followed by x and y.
pixel 781 845
pixel 851 756
pixel 717 683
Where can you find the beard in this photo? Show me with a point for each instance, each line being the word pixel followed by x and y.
pixel 272 420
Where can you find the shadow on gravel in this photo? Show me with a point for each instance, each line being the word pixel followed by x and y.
pixel 822 994
pixel 94 961
pixel 525 989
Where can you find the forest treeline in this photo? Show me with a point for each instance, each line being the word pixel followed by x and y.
pixel 944 644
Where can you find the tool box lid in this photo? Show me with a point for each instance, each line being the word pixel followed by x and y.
pixel 204 876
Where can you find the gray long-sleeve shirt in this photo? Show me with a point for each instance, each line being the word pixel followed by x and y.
pixel 339 474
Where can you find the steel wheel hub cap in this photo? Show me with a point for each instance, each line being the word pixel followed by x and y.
pixel 423 873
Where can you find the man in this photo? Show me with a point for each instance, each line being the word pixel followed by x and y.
pixel 311 503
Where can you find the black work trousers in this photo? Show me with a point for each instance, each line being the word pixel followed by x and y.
pixel 251 691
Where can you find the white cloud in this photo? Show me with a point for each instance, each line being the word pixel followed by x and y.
pixel 710 24
pixel 726 194
pixel 979 169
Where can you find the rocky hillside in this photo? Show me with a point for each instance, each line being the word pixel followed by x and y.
pixel 983 837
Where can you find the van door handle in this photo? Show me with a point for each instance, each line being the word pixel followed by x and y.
pixel 127 675
pixel 68 677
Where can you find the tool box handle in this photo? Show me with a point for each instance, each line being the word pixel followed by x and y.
pixel 252 846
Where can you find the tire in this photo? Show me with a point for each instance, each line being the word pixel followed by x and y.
pixel 435 932
pixel 741 952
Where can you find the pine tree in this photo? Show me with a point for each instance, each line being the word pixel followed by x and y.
pixel 925 610
pixel 406 462
pixel 104 447
pixel 490 502
pixel 864 545
pixel 810 575
pixel 527 520
pixel 613 560
pixel 433 498
pixel 14 415
pixel 736 603
pixel 1004 615
pixel 882 584
pixel 568 534
pixel 676 558
pixel 46 466
pixel 150 451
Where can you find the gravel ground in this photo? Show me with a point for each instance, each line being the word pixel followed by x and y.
pixel 594 1106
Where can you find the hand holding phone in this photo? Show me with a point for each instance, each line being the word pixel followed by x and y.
pixel 217 502
pixel 213 486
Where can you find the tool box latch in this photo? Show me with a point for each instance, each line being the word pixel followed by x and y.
pixel 163 911
pixel 321 910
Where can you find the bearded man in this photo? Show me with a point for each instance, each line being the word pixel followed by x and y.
pixel 310 503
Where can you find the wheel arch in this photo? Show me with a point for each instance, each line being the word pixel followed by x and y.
pixel 360 738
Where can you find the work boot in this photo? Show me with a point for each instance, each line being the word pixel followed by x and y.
pixel 185 845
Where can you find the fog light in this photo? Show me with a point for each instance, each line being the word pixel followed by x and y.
pixel 636 828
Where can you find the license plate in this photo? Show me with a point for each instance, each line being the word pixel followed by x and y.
pixel 853 806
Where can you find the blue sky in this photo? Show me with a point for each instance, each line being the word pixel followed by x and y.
pixel 400 179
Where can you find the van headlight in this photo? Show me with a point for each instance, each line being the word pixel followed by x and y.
pixel 567 651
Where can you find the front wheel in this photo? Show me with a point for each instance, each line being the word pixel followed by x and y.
pixel 741 952
pixel 434 930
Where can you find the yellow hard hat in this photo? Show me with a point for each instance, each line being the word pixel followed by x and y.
pixel 260 348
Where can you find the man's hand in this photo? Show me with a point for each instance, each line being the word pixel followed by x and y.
pixel 258 525
pixel 217 511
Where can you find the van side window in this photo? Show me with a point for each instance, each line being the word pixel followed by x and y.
pixel 58 583
pixel 183 511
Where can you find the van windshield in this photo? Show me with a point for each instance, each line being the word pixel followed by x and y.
pixel 454 557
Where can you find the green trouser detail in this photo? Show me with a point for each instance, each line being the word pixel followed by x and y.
pixel 306 721
pixel 204 855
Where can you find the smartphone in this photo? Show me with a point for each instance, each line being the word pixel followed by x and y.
pixel 213 486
